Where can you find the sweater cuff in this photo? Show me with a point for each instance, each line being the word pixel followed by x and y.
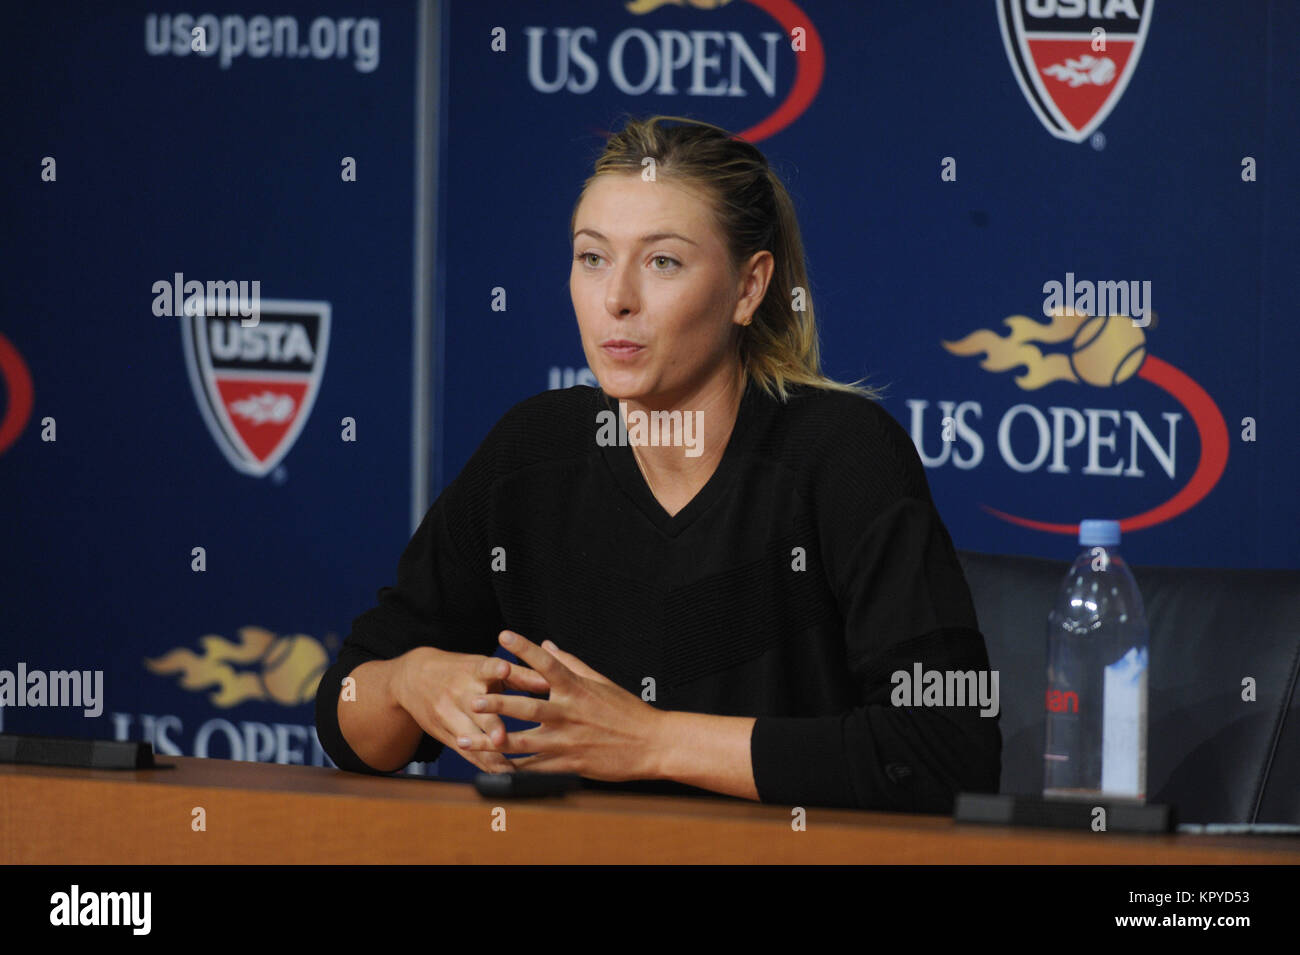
pixel 798 760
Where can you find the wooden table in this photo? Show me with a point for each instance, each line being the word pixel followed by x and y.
pixel 266 813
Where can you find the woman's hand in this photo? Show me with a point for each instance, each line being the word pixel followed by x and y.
pixel 589 726
pixel 437 687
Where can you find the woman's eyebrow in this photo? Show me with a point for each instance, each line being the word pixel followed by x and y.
pixel 648 237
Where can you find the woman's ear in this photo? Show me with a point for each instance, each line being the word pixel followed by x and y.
pixel 754 279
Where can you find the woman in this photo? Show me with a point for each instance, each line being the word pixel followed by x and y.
pixel 710 566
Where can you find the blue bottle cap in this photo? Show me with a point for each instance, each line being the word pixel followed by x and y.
pixel 1093 533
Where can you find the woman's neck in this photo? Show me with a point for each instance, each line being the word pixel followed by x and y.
pixel 689 437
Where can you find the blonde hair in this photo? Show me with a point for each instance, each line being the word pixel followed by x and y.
pixel 754 212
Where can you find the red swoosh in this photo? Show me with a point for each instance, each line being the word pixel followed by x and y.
pixel 19 382
pixel 808 74
pixel 1214 453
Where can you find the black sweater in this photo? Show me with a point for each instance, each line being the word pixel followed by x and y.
pixel 809 568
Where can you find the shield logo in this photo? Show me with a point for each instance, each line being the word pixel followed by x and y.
pixel 256 384
pixel 1055 51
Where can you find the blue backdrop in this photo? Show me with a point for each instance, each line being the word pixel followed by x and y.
pixel 947 160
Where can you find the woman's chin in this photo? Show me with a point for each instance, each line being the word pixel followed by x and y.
pixel 621 384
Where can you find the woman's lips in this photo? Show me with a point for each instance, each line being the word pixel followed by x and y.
pixel 621 349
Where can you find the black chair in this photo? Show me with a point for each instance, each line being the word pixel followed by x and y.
pixel 1210 754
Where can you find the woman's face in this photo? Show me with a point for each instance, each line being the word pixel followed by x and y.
pixel 654 292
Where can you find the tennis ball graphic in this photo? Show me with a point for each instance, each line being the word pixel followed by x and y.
pixel 292 668
pixel 1108 350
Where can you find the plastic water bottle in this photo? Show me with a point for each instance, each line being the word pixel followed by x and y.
pixel 1097 676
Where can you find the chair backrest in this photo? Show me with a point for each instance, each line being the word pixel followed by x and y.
pixel 1212 754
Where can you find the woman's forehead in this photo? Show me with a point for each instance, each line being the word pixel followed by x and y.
pixel 627 205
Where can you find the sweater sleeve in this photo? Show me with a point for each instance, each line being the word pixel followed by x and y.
pixel 442 598
pixel 905 602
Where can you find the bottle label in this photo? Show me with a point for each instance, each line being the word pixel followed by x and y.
pixel 1124 726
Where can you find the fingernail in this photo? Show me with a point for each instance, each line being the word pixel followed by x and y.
pixel 480 703
pixel 462 742
pixel 507 637
pixel 549 645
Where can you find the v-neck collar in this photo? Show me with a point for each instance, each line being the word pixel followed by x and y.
pixel 626 472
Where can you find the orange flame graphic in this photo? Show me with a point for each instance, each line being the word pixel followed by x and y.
pixel 288 669
pixel 1104 351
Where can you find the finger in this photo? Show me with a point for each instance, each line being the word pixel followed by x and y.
pixel 555 672
pixel 573 663
pixel 485 758
pixel 492 726
pixel 520 707
pixel 489 762
pixel 486 761
pixel 464 728
pixel 522 678
pixel 535 740
pixel 491 669
pixel 495 673
pixel 543 763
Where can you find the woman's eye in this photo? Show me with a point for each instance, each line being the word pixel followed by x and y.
pixel 592 260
